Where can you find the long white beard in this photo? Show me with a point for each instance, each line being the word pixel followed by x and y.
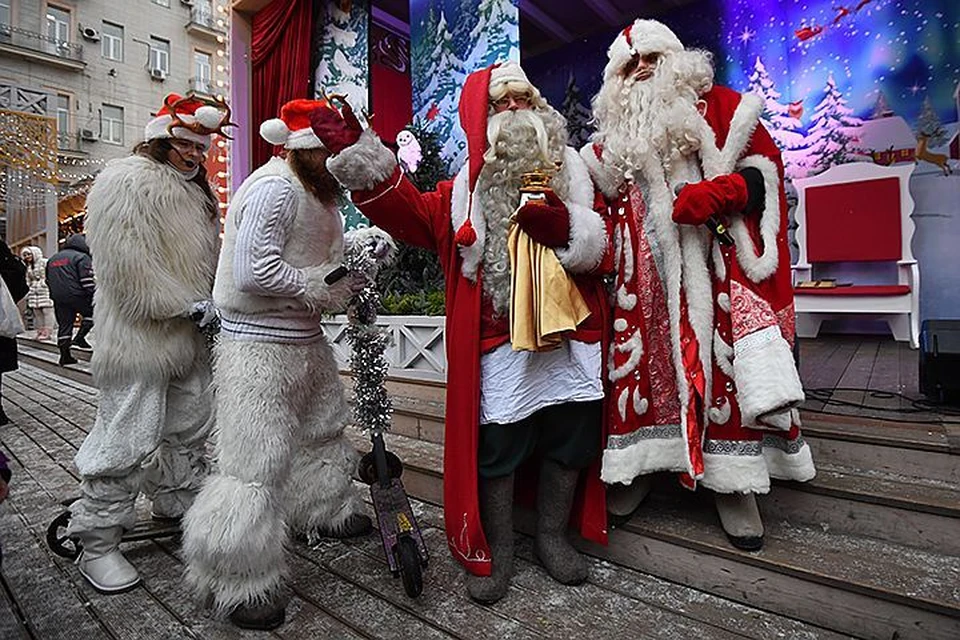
pixel 519 142
pixel 658 115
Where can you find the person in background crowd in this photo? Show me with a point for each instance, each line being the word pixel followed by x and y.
pixel 71 285
pixel 38 298
pixel 13 272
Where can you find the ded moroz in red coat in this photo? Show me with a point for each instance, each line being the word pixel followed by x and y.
pixel 692 318
pixel 430 220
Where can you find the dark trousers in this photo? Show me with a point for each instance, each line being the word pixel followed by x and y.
pixel 568 434
pixel 66 314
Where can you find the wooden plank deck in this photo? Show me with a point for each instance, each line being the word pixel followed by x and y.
pixel 338 589
pixel 867 377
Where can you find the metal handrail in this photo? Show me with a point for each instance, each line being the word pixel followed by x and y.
pixel 33 41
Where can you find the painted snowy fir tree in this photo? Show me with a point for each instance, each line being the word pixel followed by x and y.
pixel 831 139
pixel 882 108
pixel 786 130
pixel 578 115
pixel 342 47
pixel 440 74
pixel 928 124
pixel 496 35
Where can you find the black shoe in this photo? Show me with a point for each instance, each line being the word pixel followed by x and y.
pixel 746 543
pixel 66 357
pixel 260 617
pixel 81 343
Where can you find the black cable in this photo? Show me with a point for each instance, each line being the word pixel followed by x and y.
pixel 917 405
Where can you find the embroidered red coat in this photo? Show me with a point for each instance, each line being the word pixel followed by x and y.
pixel 701 375
pixel 429 220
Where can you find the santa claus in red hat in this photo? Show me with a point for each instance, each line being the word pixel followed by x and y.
pixel 702 377
pixel 153 229
pixel 504 408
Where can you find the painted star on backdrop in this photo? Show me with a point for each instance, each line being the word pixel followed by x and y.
pixel 746 35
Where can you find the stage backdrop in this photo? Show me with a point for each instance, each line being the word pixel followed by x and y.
pixel 864 80
pixel 448 40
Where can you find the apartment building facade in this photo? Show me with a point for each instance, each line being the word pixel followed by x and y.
pixel 98 70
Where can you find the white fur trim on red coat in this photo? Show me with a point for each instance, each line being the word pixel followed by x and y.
pixel 607 180
pixel 459 207
pixel 766 376
pixel 735 474
pixel 364 164
pixel 588 232
pixel 762 266
pixel 790 466
pixel 646 456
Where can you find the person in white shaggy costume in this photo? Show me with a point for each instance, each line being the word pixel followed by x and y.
pixel 152 226
pixel 284 461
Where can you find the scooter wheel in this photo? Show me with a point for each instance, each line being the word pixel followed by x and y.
pixel 408 558
pixel 59 542
pixel 367 468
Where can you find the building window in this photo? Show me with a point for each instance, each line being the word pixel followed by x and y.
pixel 111 124
pixel 112 41
pixel 159 54
pixel 58 24
pixel 64 135
pixel 5 16
pixel 201 72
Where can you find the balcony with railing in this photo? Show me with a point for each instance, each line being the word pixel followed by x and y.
pixel 69 144
pixel 203 22
pixel 40 47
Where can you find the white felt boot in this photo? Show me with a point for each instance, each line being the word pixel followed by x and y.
pixel 740 519
pixel 102 564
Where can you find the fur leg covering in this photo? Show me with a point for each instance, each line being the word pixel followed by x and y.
pixel 320 495
pixel 233 543
pixel 105 502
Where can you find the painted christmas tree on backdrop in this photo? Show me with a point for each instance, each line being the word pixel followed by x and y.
pixel 831 139
pixel 578 115
pixel 785 129
pixel 928 124
pixel 343 59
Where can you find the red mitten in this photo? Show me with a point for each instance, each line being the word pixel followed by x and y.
pixel 337 130
pixel 700 200
pixel 546 222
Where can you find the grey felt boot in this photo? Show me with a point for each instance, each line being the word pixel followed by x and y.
pixel 740 519
pixel 102 564
pixel 623 500
pixel 496 515
pixel 555 497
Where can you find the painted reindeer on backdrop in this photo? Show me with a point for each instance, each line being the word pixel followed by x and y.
pixel 939 159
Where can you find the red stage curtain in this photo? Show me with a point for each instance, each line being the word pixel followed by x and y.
pixel 392 100
pixel 280 52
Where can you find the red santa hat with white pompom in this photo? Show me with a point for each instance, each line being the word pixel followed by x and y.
pixel 202 118
pixel 292 129
pixel 639 39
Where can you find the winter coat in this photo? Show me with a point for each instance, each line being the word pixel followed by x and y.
pixel 39 295
pixel 70 274
pixel 13 272
pixel 155 244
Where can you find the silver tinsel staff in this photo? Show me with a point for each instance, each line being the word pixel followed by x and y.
pixel 368 342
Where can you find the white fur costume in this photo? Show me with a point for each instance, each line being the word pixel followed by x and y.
pixel 283 458
pixel 154 244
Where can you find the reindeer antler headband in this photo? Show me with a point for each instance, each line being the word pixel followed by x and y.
pixel 212 117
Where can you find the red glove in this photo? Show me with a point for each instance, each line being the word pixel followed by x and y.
pixel 700 200
pixel 337 130
pixel 546 222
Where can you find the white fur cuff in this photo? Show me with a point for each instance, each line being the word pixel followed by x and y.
pixel 364 164
pixel 765 374
pixel 606 179
pixel 646 456
pixel 790 466
pixel 725 473
pixel 588 240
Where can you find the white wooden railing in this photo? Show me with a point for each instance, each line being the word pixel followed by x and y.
pixel 417 349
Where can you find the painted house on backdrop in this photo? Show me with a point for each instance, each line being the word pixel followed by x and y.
pixel 954 146
pixel 888 140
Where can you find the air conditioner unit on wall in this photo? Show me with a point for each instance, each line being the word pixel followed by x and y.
pixel 158 74
pixel 89 135
pixel 89 33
